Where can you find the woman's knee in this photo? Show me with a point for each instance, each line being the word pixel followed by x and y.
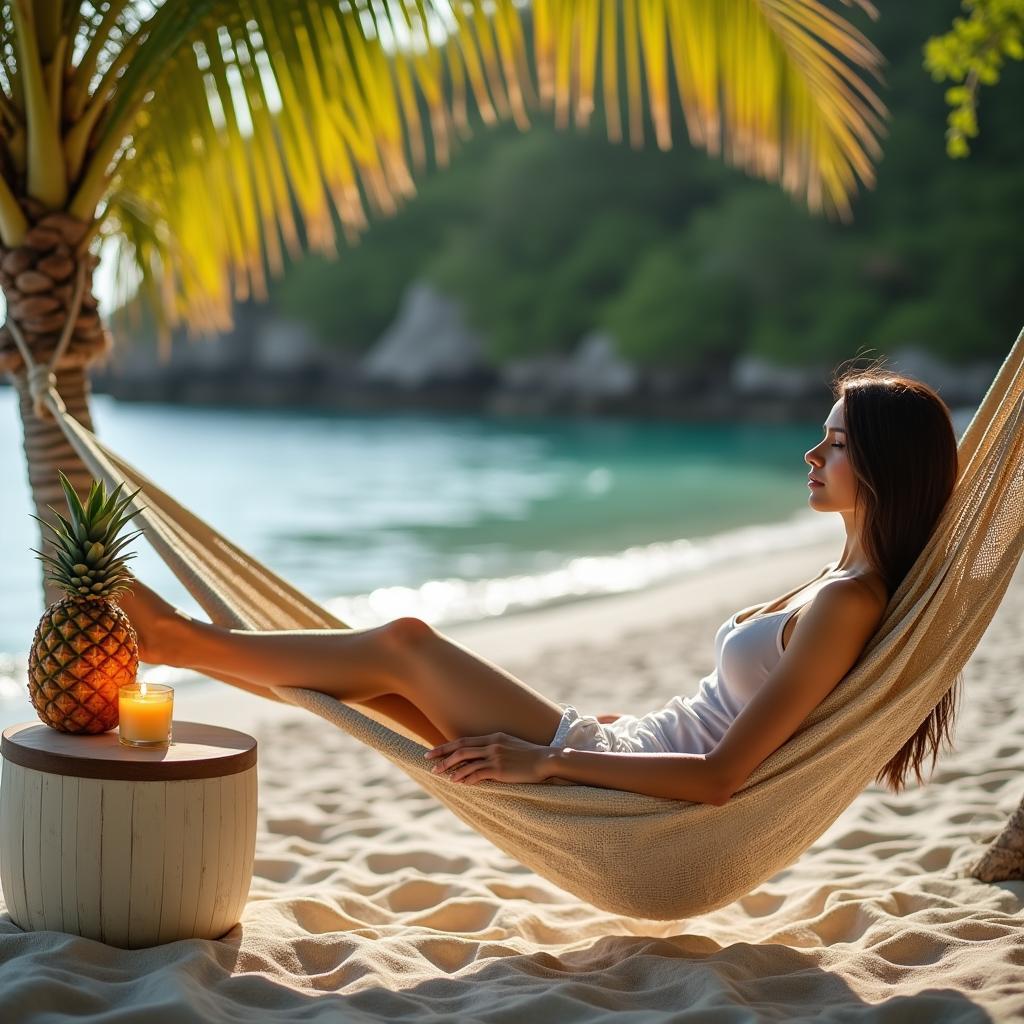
pixel 408 632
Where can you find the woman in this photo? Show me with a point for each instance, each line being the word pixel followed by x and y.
pixel 886 463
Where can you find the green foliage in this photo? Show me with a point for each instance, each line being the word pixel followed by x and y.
pixel 972 54
pixel 562 222
pixel 750 274
pixel 821 327
pixel 350 300
pixel 944 326
pixel 673 313
pixel 351 308
pixel 545 236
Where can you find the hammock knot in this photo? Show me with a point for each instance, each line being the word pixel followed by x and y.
pixel 42 381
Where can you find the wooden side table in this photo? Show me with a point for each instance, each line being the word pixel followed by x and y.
pixel 130 846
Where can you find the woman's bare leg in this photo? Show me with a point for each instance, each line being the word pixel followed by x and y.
pixel 459 692
pixel 400 710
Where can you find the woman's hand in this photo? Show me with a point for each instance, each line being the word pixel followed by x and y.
pixel 605 719
pixel 496 758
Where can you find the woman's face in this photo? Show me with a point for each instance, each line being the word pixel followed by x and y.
pixel 829 464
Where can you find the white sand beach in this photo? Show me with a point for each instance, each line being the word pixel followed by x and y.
pixel 371 901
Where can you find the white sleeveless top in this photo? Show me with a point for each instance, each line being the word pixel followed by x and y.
pixel 745 655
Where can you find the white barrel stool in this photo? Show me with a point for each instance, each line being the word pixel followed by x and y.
pixel 130 846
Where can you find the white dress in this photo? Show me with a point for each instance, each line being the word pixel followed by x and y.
pixel 745 655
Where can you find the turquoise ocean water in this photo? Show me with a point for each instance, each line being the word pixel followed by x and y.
pixel 449 518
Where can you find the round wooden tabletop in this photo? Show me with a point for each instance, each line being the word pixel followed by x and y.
pixel 196 751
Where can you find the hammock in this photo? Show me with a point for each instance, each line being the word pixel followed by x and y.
pixel 646 856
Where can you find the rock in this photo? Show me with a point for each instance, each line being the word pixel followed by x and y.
pixel 752 375
pixel 958 385
pixel 668 382
pixel 685 385
pixel 596 370
pixel 31 282
pixel 286 346
pixel 594 376
pixel 535 373
pixel 531 386
pixel 429 342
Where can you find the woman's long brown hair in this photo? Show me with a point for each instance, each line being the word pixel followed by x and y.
pixel 903 452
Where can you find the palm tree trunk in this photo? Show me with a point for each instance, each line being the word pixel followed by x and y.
pixel 38 281
pixel 47 450
pixel 1004 859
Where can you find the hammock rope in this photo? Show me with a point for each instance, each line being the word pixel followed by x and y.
pixel 645 856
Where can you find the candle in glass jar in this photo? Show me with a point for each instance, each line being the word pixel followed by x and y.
pixel 144 714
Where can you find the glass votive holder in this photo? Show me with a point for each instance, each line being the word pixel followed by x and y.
pixel 144 713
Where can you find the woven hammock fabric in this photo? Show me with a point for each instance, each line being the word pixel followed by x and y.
pixel 646 856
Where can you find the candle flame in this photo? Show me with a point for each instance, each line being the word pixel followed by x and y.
pixel 142 688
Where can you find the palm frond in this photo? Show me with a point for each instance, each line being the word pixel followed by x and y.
pixel 776 87
pixel 273 127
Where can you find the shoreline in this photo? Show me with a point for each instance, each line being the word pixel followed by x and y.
pixel 311 392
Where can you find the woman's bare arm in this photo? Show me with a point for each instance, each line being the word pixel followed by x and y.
pixel 673 776
pixel 825 645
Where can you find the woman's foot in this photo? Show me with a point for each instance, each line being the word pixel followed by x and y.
pixel 158 625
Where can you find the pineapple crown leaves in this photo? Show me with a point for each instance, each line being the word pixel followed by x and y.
pixel 87 557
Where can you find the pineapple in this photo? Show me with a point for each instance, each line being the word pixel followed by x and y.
pixel 84 647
